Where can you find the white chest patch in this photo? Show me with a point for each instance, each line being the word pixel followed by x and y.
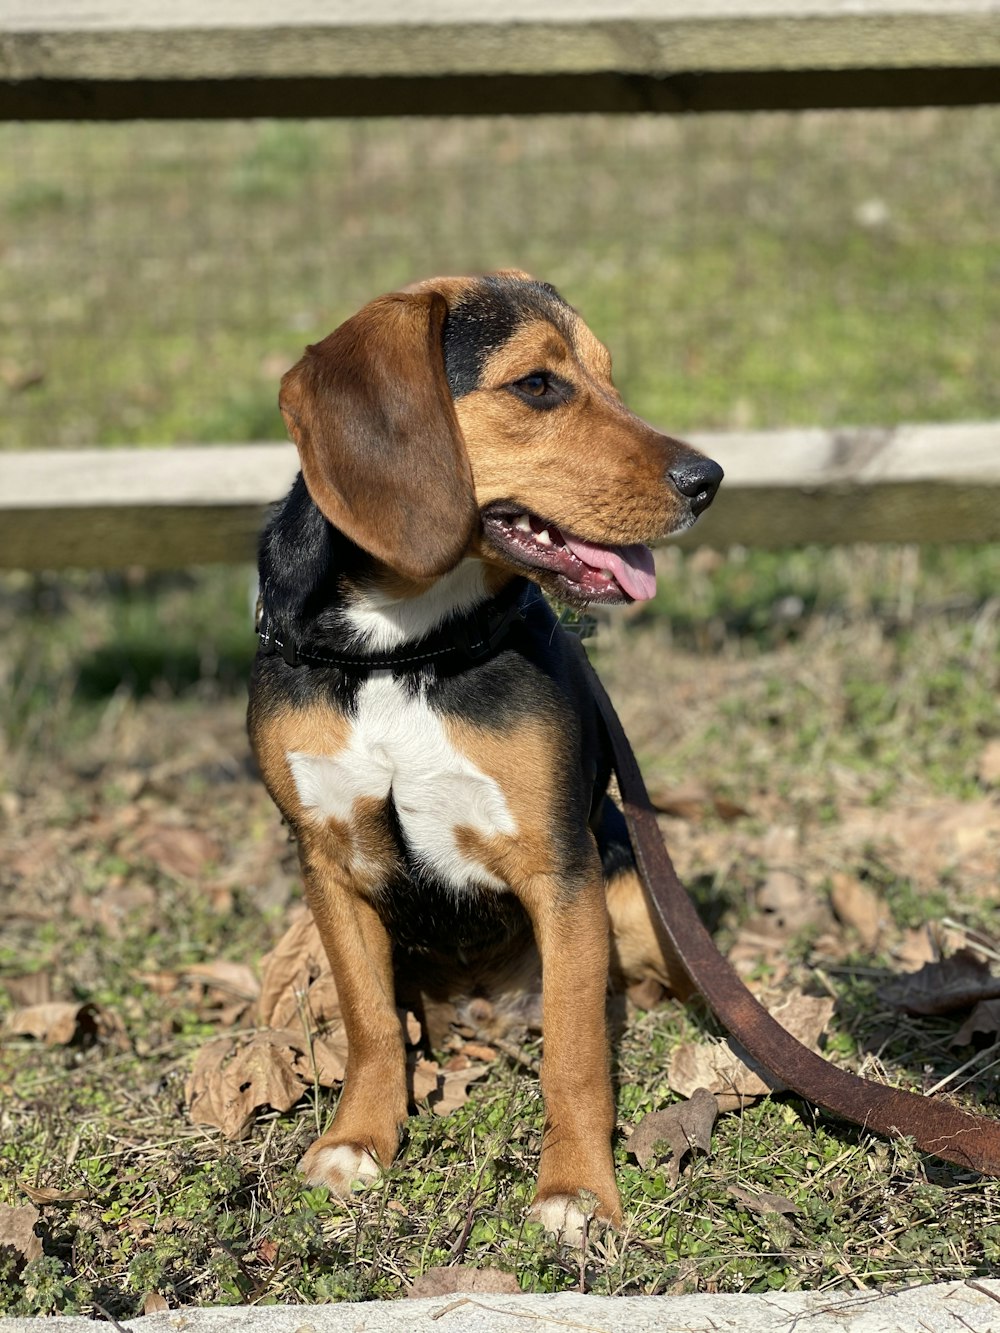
pixel 398 744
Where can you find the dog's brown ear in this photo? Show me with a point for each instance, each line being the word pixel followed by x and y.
pixel 381 449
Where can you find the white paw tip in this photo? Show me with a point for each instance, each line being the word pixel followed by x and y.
pixel 562 1215
pixel 340 1168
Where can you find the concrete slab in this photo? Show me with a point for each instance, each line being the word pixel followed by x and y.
pixel 948 1307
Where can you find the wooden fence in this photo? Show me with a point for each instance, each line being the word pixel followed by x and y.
pixel 105 508
pixel 221 58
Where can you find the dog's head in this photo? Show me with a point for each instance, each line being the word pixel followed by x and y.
pixel 477 417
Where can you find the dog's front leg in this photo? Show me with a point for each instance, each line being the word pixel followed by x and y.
pixel 373 1104
pixel 571 928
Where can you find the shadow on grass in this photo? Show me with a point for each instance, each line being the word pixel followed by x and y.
pixel 146 669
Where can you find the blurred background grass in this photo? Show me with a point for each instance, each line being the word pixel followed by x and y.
pixel 747 271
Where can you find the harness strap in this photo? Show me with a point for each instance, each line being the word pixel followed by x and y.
pixel 936 1127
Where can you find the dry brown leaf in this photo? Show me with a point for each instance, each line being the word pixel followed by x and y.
pixel 683 1128
pixel 329 1055
pixel 117 908
pixel 179 851
pixel 922 842
pixel 915 948
pixel 442 1089
pixel 943 987
pixel 40 1196
pixel 859 907
pixel 717 1066
pixel 232 1079
pixel 231 978
pixel 450 1281
pixel 160 983
pixel 790 906
pixel 154 1303
pixel 17 1231
pixel 988 767
pixel 28 990
pixel 268 1251
pixel 985 1019
pixel 762 1202
pixel 295 976
pixel 694 801
pixel 302 1042
pixel 57 1023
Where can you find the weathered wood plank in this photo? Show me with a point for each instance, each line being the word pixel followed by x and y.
pixel 331 57
pixel 107 508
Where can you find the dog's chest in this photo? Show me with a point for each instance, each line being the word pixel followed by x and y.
pixel 400 747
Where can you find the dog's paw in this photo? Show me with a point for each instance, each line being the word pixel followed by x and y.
pixel 565 1215
pixel 341 1167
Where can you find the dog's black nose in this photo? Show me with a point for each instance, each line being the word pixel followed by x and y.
pixel 697 479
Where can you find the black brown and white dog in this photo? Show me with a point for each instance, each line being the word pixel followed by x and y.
pixel 415 711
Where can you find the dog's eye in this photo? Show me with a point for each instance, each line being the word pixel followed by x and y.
pixel 541 389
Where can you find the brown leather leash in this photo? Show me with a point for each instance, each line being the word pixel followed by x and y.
pixel 935 1126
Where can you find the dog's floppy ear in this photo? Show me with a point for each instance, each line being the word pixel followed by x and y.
pixel 381 449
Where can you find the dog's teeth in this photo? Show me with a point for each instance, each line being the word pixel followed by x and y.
pixel 523 522
pixel 543 537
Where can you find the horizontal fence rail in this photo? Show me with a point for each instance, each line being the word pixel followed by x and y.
pixel 166 508
pixel 126 58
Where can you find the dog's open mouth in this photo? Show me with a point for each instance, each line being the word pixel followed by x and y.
pixel 585 571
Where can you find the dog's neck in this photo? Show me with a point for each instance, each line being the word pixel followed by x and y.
pixel 378 620
pixel 323 591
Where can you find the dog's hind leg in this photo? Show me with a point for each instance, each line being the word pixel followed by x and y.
pixel 641 956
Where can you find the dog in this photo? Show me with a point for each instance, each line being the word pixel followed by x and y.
pixel 416 713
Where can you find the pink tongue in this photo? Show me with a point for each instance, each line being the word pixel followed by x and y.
pixel 632 566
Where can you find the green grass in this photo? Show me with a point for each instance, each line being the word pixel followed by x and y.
pixel 746 271
pixel 806 687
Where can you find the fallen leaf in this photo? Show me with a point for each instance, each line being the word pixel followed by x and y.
pixel 295 976
pixel 154 1303
pixel 160 983
pixel 268 1251
pixel 28 990
pixel 762 1202
pixel 988 767
pixel 683 1128
pixel 179 851
pixel 234 1078
pixel 943 987
pixel 449 1281
pixel 985 1019
pixel 116 908
pixel 735 1078
pixel 789 904
pixel 47 1195
pixel 18 377
pixel 231 978
pixel 444 1090
pixel 57 1023
pixel 694 801
pixel 17 1231
pixel 858 906
pixel 915 948
pixel 924 841
pixel 412 1031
